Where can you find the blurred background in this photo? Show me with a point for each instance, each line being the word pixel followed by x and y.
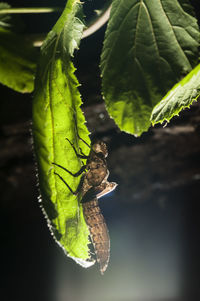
pixel 152 216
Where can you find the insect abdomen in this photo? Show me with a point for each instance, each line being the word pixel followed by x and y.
pixel 98 232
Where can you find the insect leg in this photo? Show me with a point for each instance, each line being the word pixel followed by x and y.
pixel 82 153
pixel 73 192
pixel 84 142
pixel 76 174
pixel 83 156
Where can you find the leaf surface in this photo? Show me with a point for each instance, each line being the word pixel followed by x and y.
pixel 148 47
pixel 57 116
pixel 181 96
pixel 17 57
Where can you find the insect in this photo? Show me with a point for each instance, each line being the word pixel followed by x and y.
pixel 93 185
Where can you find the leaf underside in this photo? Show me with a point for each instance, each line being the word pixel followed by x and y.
pixel 148 47
pixel 181 96
pixel 57 116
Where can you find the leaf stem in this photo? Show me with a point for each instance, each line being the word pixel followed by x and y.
pixel 93 27
pixel 98 23
pixel 30 10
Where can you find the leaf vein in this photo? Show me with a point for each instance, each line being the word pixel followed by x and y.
pixel 172 27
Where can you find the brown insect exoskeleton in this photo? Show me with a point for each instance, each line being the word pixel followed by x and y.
pixel 93 185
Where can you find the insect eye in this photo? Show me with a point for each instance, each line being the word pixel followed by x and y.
pixel 101 155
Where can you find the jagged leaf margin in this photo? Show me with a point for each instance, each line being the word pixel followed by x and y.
pixel 57 116
pixel 181 96
pixel 148 47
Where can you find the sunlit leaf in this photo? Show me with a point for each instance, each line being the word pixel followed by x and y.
pixel 57 116
pixel 181 96
pixel 148 47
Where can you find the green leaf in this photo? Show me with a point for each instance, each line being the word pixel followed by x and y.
pixel 148 47
pixel 57 116
pixel 17 57
pixel 4 18
pixel 17 62
pixel 181 96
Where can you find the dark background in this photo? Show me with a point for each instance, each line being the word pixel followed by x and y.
pixel 153 216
